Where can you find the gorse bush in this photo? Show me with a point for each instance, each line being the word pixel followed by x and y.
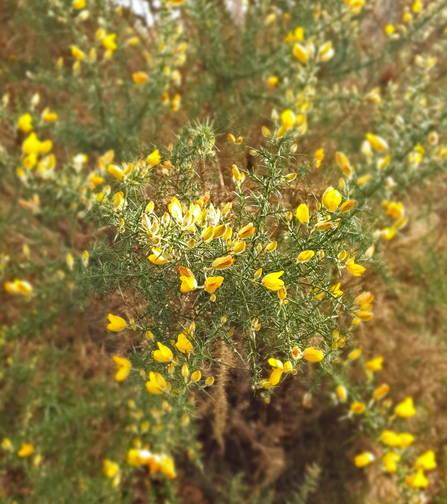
pixel 202 201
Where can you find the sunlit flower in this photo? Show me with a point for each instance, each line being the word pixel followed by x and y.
pixel 406 439
pixel 300 53
pixel 406 408
pixel 272 81
pixel 390 438
pixel 363 459
pixel 426 461
pixel 417 480
pixel 311 354
pixel 117 324
pixel 357 408
pixel 183 344
pixel 376 142
pixel 390 460
pixel 18 287
pixel 375 364
pixel 272 281
pixel 109 43
pixel 6 444
pixel 342 393
pixel 25 450
pixel 196 376
pixel 164 354
pixel 49 116
pixel 157 384
pixel 77 53
pixel 79 4
pixel 381 391
pixel 140 77
pixel 305 256
pixel 302 213
pixel 223 262
pixel 212 283
pixel 124 366
pixel 189 283
pixel 326 51
pixel 319 156
pixel 246 231
pixel 355 269
pixel 157 257
pixel 154 158
pixel 25 123
pixel 331 199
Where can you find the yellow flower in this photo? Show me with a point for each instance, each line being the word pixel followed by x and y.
pixel 302 213
pixel 246 231
pixel 300 53
pixel 196 376
pixel 427 461
pixel 183 344
pixel 175 103
pixel 26 450
pixel 381 391
pixel 25 123
pixel 77 53
pixel 326 51
pixel 288 118
pixel 417 480
pixel 311 354
pixel 363 180
pixel 390 460
pixel 331 199
pixel 357 408
pixel 355 6
pixel 167 466
pixel 6 444
pixel 115 171
pixel 117 324
pixel 123 366
pixel 306 255
pixel 109 468
pixel 377 143
pixel 347 205
pixel 164 354
pixel 156 257
pixel 140 77
pixel 355 269
pixel 417 6
pixel 405 409
pixel 238 176
pixel 390 438
pixel 188 283
pixel 223 262
pixel 31 144
pixel 154 158
pixel 212 283
pixel 363 459
pixel 406 439
pixel 272 281
pixel 355 354
pixel 319 156
pixel 109 43
pixel 272 81
pixel 157 384
pixel 49 116
pixel 375 364
pixel 18 287
pixel 390 29
pixel 342 393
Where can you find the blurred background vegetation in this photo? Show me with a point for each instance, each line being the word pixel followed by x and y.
pixel 207 65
